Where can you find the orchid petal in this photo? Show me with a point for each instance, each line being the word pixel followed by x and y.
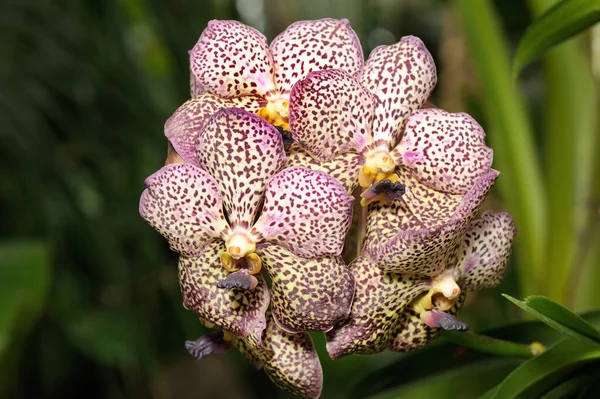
pixel 307 46
pixel 434 208
pixel 444 151
pixel 307 212
pixel 242 312
pixel 307 294
pixel 418 249
pixel 183 127
pixel 344 168
pixel 183 204
pixel 402 76
pixel 290 360
pixel 242 152
pixel 232 60
pixel 331 114
pixel 412 333
pixel 484 251
pixel 379 300
pixel 196 89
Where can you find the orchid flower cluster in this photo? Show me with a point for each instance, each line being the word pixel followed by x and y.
pixel 256 198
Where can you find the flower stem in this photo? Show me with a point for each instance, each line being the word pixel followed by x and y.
pixel 491 345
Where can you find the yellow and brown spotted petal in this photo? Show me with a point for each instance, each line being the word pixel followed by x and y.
pixel 306 211
pixel 402 76
pixel 444 151
pixel 379 300
pixel 425 249
pixel 434 208
pixel 183 204
pixel 307 294
pixel 183 127
pixel 484 251
pixel 344 167
pixel 242 152
pixel 290 360
pixel 232 60
pixel 331 114
pixel 307 46
pixel 242 312
pixel 411 332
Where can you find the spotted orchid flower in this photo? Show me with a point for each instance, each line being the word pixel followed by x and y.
pixel 290 360
pixel 240 213
pixel 377 117
pixel 233 66
pixel 403 312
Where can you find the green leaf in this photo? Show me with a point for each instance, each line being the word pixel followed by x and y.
pixel 564 20
pixel 24 277
pixel 558 317
pixel 443 357
pixel 538 375
pixel 509 132
pixel 570 104
pixel 575 385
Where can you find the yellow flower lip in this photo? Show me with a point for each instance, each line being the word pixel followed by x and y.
pixel 379 165
pixel 442 296
pixel 240 254
pixel 276 112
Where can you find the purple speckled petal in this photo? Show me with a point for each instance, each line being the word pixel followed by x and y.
pixel 183 127
pixel 183 204
pixel 307 46
pixel 432 207
pixel 402 76
pixel 196 89
pixel 306 211
pixel 344 168
pixel 379 300
pixel 398 242
pixel 412 333
pixel 242 152
pixel 445 151
pixel 242 312
pixel 331 114
pixel 307 294
pixel 484 251
pixel 290 360
pixel 232 60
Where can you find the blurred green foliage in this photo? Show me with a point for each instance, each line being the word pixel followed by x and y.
pixel 89 299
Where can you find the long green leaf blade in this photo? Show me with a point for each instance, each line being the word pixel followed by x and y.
pixel 558 317
pixel 536 376
pixel 564 20
pixel 510 134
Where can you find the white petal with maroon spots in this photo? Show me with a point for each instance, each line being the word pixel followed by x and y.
pixel 290 360
pixel 331 114
pixel 379 300
pixel 344 167
pixel 306 211
pixel 307 46
pixel 232 59
pixel 417 248
pixel 182 203
pixel 242 312
pixel 307 294
pixel 183 127
pixel 402 76
pixel 242 152
pixel 445 151
pixel 484 251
